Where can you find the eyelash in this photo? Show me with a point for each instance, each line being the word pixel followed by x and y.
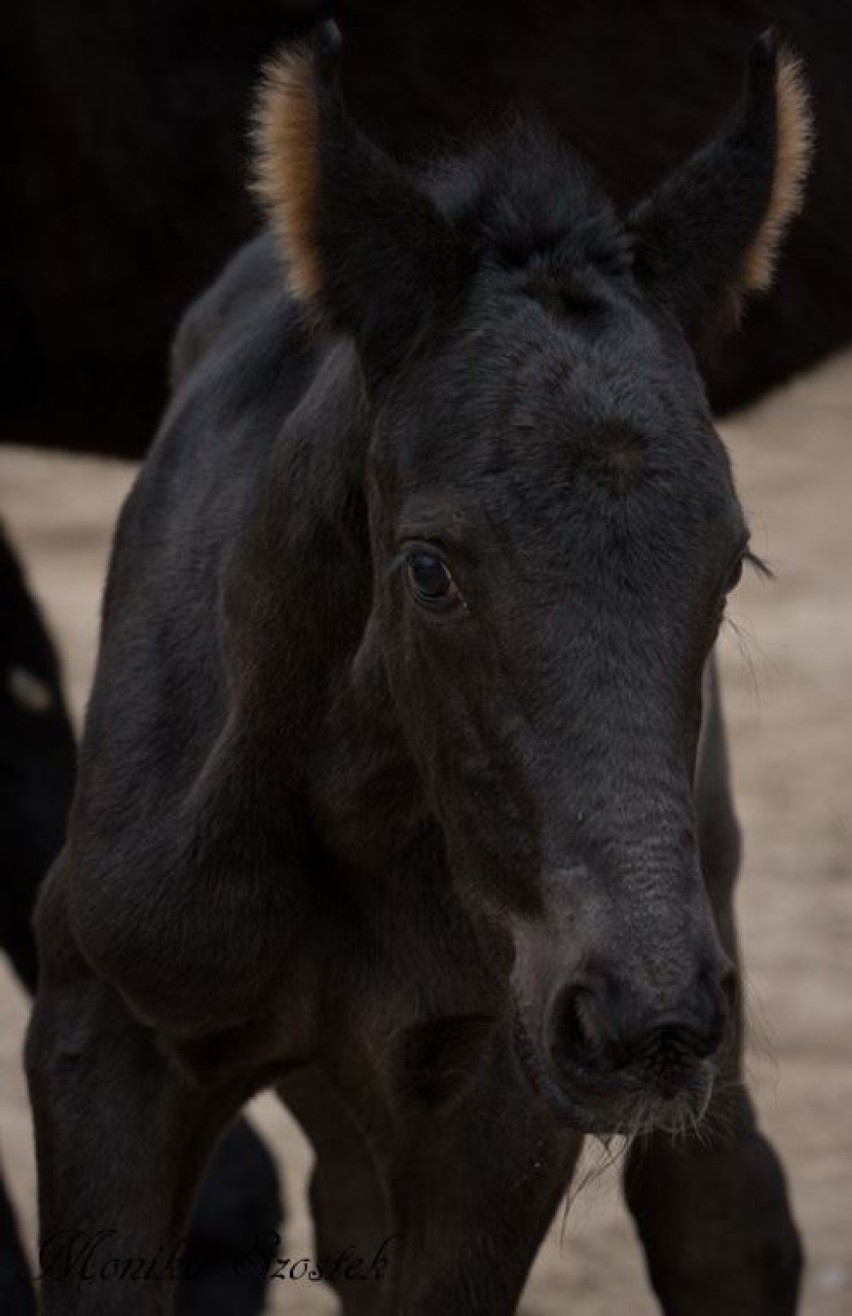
pixel 757 564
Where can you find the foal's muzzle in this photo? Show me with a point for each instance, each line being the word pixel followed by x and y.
pixel 611 1066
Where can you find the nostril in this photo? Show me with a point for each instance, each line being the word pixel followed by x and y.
pixel 671 1058
pixel 602 1033
pixel 579 1039
pixel 579 1034
pixel 682 1044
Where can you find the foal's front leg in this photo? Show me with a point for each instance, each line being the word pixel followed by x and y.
pixel 714 1221
pixel 712 1209
pixel 348 1202
pixel 122 1137
pixel 474 1189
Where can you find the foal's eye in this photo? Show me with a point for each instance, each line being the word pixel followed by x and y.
pixel 430 579
pixel 735 575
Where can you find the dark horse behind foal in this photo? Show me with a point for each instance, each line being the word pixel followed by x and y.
pixel 404 784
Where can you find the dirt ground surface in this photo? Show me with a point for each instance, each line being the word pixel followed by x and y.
pixel 787 688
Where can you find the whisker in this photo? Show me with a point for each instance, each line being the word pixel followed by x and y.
pixel 745 642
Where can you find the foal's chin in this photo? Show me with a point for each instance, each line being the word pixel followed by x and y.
pixel 677 1115
pixel 634 1110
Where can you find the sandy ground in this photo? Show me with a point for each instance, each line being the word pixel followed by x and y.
pixel 788 698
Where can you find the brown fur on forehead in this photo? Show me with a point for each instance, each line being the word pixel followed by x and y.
pixel 792 161
pixel 287 171
pixel 621 451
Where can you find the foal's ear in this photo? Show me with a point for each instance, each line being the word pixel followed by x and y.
pixel 366 249
pixel 711 233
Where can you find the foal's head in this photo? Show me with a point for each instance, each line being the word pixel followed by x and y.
pixel 555 531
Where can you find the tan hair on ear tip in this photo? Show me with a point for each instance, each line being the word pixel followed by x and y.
pixel 792 162
pixel 286 179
